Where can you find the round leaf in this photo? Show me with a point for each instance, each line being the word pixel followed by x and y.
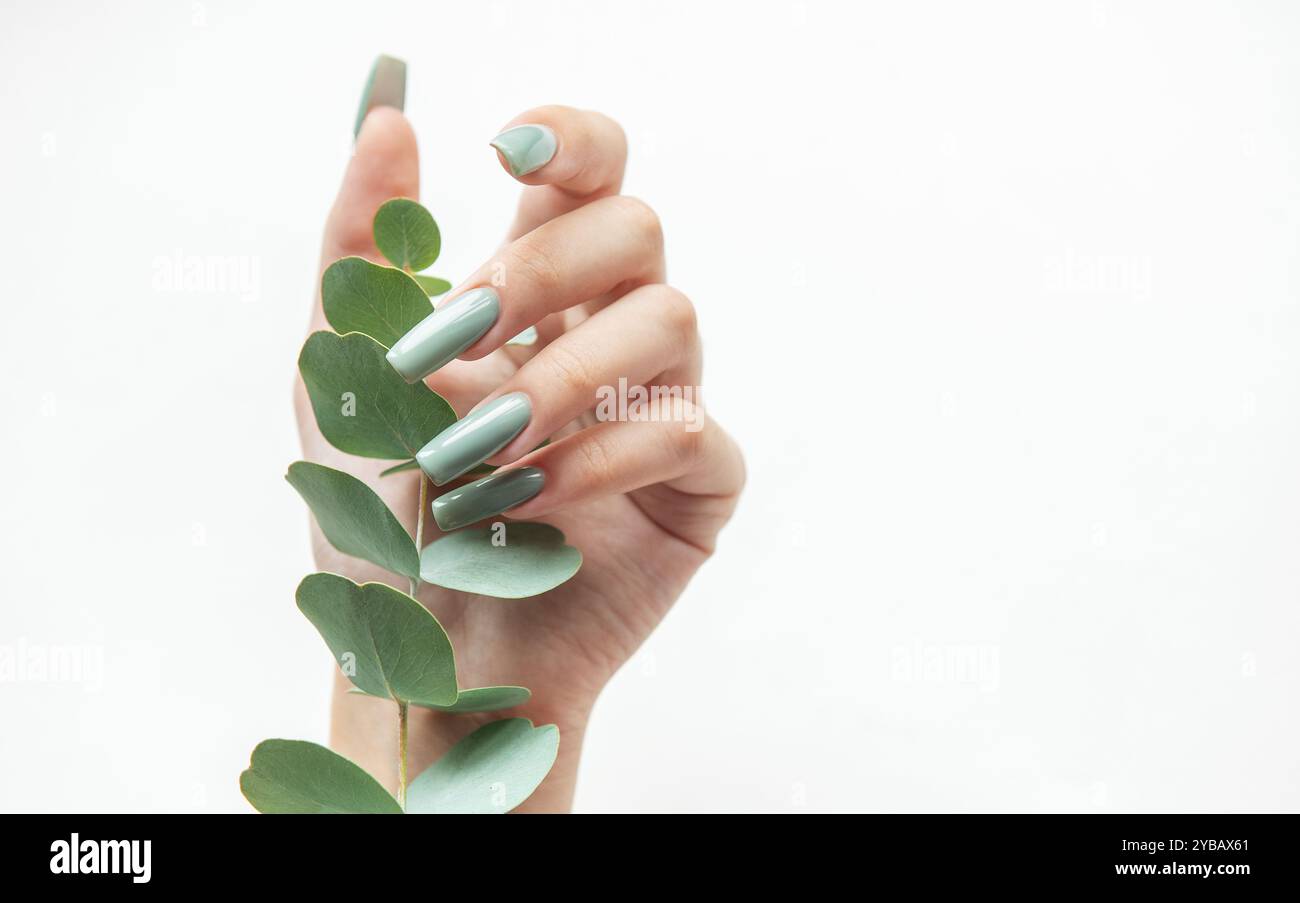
pixel 407 235
pixel 532 560
pixel 485 699
pixel 295 777
pixel 384 641
pixel 362 406
pixel 383 303
pixel 492 770
pixel 354 519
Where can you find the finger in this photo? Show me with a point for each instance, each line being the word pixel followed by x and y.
pixel 615 242
pixel 567 157
pixel 648 331
pixel 683 451
pixel 386 164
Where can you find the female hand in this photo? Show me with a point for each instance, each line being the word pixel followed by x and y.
pixel 644 501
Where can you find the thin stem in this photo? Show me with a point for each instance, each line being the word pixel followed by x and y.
pixel 401 753
pixel 402 707
pixel 419 525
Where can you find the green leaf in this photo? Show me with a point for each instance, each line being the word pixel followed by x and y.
pixel 362 406
pixel 533 560
pixel 297 777
pixel 407 234
pixel 384 641
pixel 398 468
pixel 354 519
pixel 485 699
pixel 527 337
pixel 492 770
pixel 479 699
pixel 381 302
pixel 432 285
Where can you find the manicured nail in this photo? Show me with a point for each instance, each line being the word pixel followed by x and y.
pixel 527 148
pixel 486 497
pixel 469 442
pixel 386 87
pixel 445 333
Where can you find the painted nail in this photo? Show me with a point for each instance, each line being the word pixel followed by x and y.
pixel 486 497
pixel 527 148
pixel 469 442
pixel 445 333
pixel 385 87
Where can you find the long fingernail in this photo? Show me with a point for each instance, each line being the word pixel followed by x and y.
pixel 469 442
pixel 527 148
pixel 385 87
pixel 486 497
pixel 445 333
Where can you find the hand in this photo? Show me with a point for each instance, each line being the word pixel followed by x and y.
pixel 643 501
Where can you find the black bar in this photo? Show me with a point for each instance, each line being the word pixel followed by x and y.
pixel 958 851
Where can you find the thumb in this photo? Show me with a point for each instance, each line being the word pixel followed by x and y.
pixel 385 164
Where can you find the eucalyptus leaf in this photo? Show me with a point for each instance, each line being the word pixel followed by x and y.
pixel 383 303
pixel 362 406
pixel 297 777
pixel 532 560
pixel 398 468
pixel 354 519
pixel 407 235
pixel 485 699
pixel 432 285
pixel 492 770
pixel 384 641
pixel 479 699
pixel 527 337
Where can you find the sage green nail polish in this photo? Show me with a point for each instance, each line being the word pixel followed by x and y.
pixel 527 148
pixel 486 497
pixel 469 442
pixel 385 87
pixel 445 333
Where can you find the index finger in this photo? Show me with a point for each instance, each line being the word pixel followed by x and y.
pixel 565 156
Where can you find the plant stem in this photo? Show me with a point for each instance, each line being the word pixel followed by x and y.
pixel 403 707
pixel 401 753
pixel 419 525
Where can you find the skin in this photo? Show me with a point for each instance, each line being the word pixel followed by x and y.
pixel 643 501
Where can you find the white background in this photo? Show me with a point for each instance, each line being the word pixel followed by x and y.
pixel 1001 303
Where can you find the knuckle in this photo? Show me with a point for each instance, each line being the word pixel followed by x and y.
pixel 569 369
pixel 642 219
pixel 598 458
pixel 680 316
pixel 534 260
pixel 686 446
pixel 617 136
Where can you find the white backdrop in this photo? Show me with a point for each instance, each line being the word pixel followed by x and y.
pixel 1000 302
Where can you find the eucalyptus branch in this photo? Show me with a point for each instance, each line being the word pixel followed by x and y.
pixel 388 644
